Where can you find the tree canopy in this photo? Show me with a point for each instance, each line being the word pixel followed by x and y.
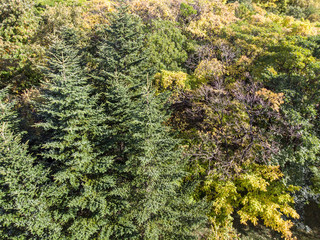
pixel 174 119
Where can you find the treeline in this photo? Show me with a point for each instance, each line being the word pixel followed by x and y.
pixel 158 119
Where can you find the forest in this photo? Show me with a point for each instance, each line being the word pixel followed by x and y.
pixel 160 119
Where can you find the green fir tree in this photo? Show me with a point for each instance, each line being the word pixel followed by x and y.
pixel 155 170
pixel 120 51
pixel 148 166
pixel 21 207
pixel 80 194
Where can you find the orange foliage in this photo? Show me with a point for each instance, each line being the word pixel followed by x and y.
pixel 275 99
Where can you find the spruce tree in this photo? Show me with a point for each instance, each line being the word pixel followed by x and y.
pixel 20 202
pixel 80 194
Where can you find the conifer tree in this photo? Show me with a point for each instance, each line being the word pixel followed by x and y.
pixel 154 170
pixel 121 50
pixel 20 203
pixel 80 194
pixel 147 166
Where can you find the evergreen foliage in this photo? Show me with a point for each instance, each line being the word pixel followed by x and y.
pixel 151 170
pixel 120 50
pixel 148 166
pixel 164 208
pixel 80 186
pixel 20 201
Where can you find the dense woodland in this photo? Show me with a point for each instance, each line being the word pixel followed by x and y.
pixel 159 119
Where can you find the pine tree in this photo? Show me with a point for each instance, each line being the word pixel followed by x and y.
pixel 20 202
pixel 80 193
